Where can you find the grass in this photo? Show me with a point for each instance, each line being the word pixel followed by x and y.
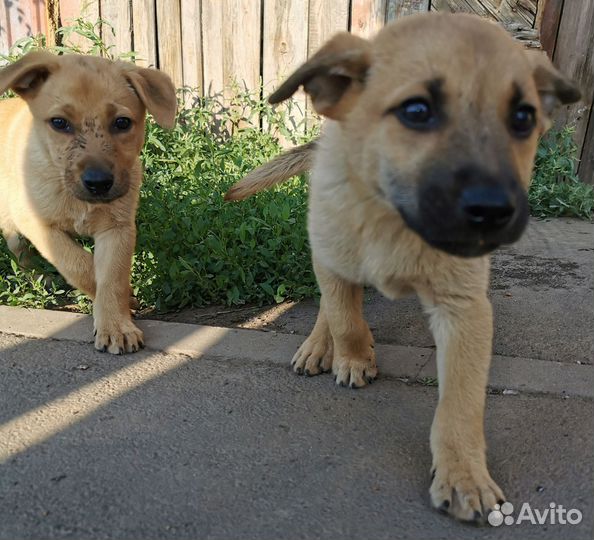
pixel 428 381
pixel 193 248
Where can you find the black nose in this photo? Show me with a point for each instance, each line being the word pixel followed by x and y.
pixel 486 207
pixel 97 181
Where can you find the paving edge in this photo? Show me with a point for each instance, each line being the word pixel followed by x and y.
pixel 526 375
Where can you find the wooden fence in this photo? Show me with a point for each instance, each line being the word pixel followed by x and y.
pixel 207 44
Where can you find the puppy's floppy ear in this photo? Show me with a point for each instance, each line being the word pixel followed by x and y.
pixel 553 87
pixel 26 75
pixel 333 77
pixel 156 91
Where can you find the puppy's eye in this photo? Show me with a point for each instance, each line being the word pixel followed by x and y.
pixel 523 121
pixel 122 123
pixel 61 124
pixel 416 113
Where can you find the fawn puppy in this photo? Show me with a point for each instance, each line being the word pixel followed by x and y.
pixel 422 170
pixel 69 165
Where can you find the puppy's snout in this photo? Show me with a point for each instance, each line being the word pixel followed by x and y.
pixel 97 181
pixel 469 211
pixel 486 207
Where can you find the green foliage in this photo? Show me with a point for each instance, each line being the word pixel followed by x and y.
pixel 41 287
pixel 428 381
pixel 556 190
pixel 193 248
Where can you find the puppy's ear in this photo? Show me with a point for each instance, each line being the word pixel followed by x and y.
pixel 333 77
pixel 156 91
pixel 553 87
pixel 27 75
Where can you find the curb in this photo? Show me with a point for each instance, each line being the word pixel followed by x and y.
pixel 526 375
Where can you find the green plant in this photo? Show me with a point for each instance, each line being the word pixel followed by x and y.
pixel 93 43
pixel 193 248
pixel 556 190
pixel 41 287
pixel 428 381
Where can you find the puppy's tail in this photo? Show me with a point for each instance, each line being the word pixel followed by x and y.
pixel 279 169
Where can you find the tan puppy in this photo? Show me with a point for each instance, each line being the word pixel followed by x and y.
pixel 421 171
pixel 69 165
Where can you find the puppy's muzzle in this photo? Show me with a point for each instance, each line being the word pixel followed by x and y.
pixel 97 181
pixel 469 211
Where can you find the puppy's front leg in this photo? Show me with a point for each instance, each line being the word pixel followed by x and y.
pixel 114 329
pixel 353 363
pixel 463 332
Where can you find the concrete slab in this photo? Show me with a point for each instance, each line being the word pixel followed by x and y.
pixel 410 363
pixel 161 445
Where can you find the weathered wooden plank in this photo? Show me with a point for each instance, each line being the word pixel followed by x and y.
pixel 241 62
pixel 574 55
pixel 325 20
pixel 52 20
pixel 516 16
pixel 169 39
pixel 401 8
pixel 19 20
pixel 117 35
pixel 549 24
pixel 284 40
pixel 540 7
pixel 212 43
pixel 191 29
pixel 144 21
pixel 510 11
pixel 5 34
pixel 37 18
pixel 368 17
pixel 462 6
pixel 74 9
pixel 519 12
pixel 233 55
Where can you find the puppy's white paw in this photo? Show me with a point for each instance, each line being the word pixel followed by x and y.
pixel 355 371
pixel 464 489
pixel 118 336
pixel 314 356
